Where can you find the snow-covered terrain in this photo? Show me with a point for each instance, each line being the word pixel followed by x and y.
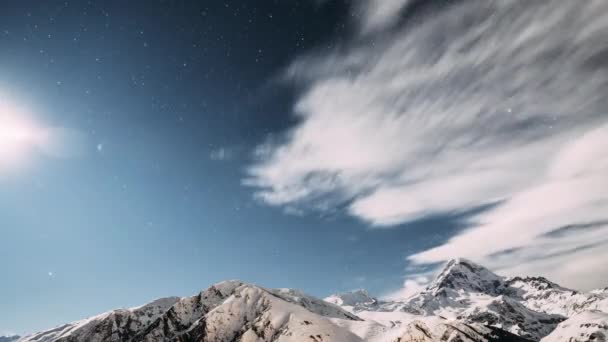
pixel 471 293
pixel 116 325
pixel 228 311
pixel 465 302
pixel 465 292
pixel 582 327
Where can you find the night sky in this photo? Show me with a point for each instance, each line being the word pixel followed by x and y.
pixel 153 148
pixel 170 98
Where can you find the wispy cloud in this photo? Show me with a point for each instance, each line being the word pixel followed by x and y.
pixel 379 14
pixel 520 236
pixel 478 102
pixel 411 286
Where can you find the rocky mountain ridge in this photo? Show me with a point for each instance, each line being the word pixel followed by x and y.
pixel 530 307
pixel 465 302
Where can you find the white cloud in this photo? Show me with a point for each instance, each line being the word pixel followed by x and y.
pixel 482 101
pixel 411 286
pixel 573 194
pixel 378 14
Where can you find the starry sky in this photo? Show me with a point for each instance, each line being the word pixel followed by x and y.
pixel 169 99
pixel 170 145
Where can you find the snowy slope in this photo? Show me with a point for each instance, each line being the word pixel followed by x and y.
pixel 353 298
pixel 115 325
pixel 313 304
pixel 403 327
pixel 254 314
pixel 588 326
pixel 359 301
pixel 470 293
pixel 542 295
pixel 529 307
pixel 227 311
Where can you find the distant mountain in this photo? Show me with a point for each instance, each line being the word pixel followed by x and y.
pixel 530 307
pixel 466 302
pixel 9 338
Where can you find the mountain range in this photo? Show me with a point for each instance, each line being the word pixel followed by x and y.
pixel 466 302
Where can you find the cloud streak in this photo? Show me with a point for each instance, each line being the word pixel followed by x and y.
pixel 530 230
pixel 474 103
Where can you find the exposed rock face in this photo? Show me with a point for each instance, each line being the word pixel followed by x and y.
pixel 117 325
pixel 455 331
pixel 588 326
pixel 473 294
pixel 228 311
pixel 462 274
pixel 530 307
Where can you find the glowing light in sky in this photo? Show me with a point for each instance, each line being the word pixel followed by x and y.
pixel 19 135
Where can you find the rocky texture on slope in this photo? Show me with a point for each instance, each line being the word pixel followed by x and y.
pixel 233 311
pixel 117 325
pixel 588 326
pixel 404 327
pixel 530 307
pixel 419 330
pixel 228 311
pixel 354 301
pixel 540 294
pixel 471 293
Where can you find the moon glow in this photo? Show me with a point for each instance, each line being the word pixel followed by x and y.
pixel 20 135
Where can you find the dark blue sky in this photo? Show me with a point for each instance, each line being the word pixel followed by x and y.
pixel 153 148
pixel 169 99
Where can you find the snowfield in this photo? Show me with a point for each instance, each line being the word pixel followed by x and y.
pixel 582 327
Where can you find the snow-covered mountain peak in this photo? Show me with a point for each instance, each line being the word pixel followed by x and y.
pixel 462 274
pixel 226 287
pixel 352 298
pixel 313 304
pixel 161 303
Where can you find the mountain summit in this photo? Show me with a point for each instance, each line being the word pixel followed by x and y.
pixel 466 302
pixel 462 274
